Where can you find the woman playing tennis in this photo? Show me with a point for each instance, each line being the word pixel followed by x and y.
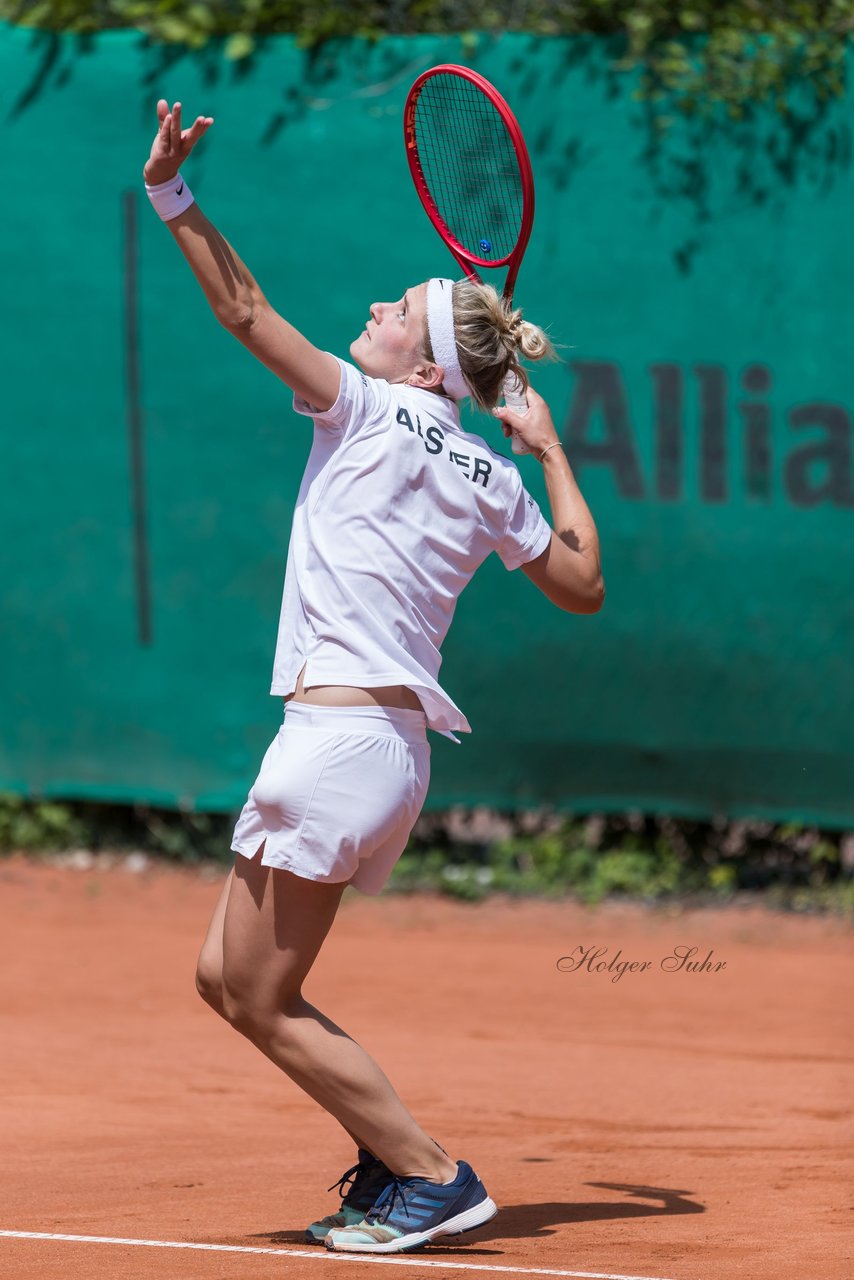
pixel 397 508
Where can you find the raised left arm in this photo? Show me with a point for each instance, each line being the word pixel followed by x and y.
pixel 233 293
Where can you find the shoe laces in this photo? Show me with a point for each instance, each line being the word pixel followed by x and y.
pixel 392 1194
pixel 349 1179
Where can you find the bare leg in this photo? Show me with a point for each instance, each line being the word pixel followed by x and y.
pixel 209 968
pixel 274 924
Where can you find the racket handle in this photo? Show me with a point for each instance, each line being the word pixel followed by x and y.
pixel 514 398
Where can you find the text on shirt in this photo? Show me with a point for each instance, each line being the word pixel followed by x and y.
pixel 434 439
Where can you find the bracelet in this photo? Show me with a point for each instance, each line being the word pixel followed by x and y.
pixel 550 446
pixel 170 198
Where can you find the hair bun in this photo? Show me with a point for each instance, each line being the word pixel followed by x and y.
pixel 492 339
pixel 514 324
pixel 511 331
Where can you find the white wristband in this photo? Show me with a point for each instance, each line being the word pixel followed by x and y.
pixel 170 198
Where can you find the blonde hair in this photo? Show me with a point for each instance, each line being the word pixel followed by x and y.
pixel 492 336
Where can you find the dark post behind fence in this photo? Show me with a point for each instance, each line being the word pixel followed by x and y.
pixel 142 577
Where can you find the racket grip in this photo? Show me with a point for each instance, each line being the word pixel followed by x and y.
pixel 514 398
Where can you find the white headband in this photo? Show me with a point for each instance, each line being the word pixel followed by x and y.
pixel 440 324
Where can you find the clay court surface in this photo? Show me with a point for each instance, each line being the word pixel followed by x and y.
pixel 676 1125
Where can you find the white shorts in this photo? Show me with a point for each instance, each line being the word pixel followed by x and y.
pixel 338 793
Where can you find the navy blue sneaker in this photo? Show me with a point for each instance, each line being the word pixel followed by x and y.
pixel 359 1187
pixel 411 1212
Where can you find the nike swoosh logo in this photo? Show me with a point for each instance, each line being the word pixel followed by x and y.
pixel 180 189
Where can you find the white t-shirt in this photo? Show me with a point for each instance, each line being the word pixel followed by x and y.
pixel 397 508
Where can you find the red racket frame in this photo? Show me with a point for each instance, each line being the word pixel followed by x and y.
pixel 469 261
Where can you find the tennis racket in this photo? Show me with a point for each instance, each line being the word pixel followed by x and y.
pixel 473 175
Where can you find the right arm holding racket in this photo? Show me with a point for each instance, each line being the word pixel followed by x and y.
pixel 234 295
pixel 569 572
pixel 472 173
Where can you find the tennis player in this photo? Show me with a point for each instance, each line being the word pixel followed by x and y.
pixel 398 507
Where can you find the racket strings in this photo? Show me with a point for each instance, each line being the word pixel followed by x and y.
pixel 470 166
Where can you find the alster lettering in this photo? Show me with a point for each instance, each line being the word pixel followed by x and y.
pixel 473 467
pixel 433 439
pixel 816 470
pixel 482 467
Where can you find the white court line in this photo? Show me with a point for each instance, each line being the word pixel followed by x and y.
pixel 324 1255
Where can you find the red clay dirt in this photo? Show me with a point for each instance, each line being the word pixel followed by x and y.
pixel 686 1125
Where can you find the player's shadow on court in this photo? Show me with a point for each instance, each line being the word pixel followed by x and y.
pixel 530 1221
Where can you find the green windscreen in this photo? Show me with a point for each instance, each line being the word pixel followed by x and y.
pixel 701 293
